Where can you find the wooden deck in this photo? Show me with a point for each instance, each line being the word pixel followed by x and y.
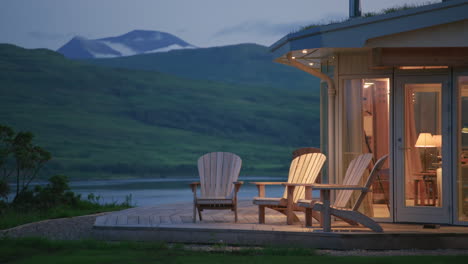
pixel 173 223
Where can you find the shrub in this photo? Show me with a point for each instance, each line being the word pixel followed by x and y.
pixel 55 193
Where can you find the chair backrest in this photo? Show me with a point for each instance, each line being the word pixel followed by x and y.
pixel 218 171
pixel 353 175
pixel 304 169
pixel 301 151
pixel 375 171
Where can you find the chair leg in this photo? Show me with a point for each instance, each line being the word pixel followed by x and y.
pixel 199 214
pixel 261 214
pixel 235 213
pixel 359 218
pixel 308 217
pixel 194 213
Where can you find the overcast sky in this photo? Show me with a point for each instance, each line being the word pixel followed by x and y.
pixel 203 23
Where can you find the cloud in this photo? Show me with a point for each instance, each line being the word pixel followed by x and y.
pixel 264 28
pixel 260 28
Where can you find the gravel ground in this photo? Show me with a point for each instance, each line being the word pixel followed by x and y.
pixel 81 227
pixel 73 228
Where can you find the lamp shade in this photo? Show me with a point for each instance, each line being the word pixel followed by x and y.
pixel 437 140
pixel 465 129
pixel 425 140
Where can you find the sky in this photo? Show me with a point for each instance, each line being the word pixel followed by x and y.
pixel 203 23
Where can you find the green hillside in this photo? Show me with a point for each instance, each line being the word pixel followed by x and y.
pixel 238 64
pixel 102 122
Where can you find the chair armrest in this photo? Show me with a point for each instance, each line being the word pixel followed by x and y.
pixel 337 187
pixel 299 184
pixel 237 185
pixel 193 186
pixel 261 187
pixel 268 183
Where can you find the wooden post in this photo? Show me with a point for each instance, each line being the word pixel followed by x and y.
pixel 261 214
pixel 261 190
pixel 326 218
pixel 308 211
pixel 290 204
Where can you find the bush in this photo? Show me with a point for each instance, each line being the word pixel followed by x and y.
pixel 55 193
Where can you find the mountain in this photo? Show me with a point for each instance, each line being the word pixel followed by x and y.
pixel 131 43
pixel 102 122
pixel 247 64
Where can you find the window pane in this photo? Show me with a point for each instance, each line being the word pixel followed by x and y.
pixel 463 149
pixel 423 144
pixel 366 130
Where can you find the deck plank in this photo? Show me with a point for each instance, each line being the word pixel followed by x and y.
pixel 122 220
pixel 132 219
pixel 180 215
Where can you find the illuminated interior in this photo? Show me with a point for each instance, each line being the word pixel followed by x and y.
pixel 366 130
pixel 423 144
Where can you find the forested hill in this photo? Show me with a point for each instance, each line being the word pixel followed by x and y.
pixel 103 122
pixel 247 64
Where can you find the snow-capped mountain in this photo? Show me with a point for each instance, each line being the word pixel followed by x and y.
pixel 132 43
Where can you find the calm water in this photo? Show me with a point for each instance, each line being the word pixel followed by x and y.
pixel 161 191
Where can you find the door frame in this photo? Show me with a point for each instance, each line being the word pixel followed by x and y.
pixel 421 214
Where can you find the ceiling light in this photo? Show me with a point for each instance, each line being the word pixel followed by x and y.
pixel 304 51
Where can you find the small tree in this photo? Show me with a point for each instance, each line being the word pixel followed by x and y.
pixel 6 143
pixel 20 158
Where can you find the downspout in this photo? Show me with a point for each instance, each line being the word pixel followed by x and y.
pixel 331 110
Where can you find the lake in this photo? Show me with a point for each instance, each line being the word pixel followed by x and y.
pixel 146 192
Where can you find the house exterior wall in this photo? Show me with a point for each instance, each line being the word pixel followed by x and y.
pixel 446 35
pixel 356 65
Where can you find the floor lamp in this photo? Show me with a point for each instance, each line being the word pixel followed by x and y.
pixel 425 140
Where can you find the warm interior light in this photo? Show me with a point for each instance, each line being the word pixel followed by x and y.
pixel 311 63
pixel 422 67
pixel 293 57
pixel 368 84
pixel 437 140
pixel 304 51
pixel 465 130
pixel 425 140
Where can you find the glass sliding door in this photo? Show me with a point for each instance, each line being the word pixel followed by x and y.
pixel 365 129
pixel 420 173
pixel 462 182
pixel 422 153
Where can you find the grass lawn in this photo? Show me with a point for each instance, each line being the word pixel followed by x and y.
pixel 35 250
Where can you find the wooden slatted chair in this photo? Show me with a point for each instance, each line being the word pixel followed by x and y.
pixel 351 215
pixel 218 173
pixel 301 151
pixel 305 150
pixel 304 169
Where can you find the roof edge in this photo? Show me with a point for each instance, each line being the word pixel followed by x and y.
pixel 359 21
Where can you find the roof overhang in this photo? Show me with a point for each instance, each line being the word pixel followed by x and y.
pixel 318 42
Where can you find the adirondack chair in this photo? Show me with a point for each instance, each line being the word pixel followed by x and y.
pixel 218 183
pixel 304 169
pixel 353 175
pixel 305 150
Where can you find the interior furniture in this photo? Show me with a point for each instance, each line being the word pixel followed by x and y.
pixel 425 188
